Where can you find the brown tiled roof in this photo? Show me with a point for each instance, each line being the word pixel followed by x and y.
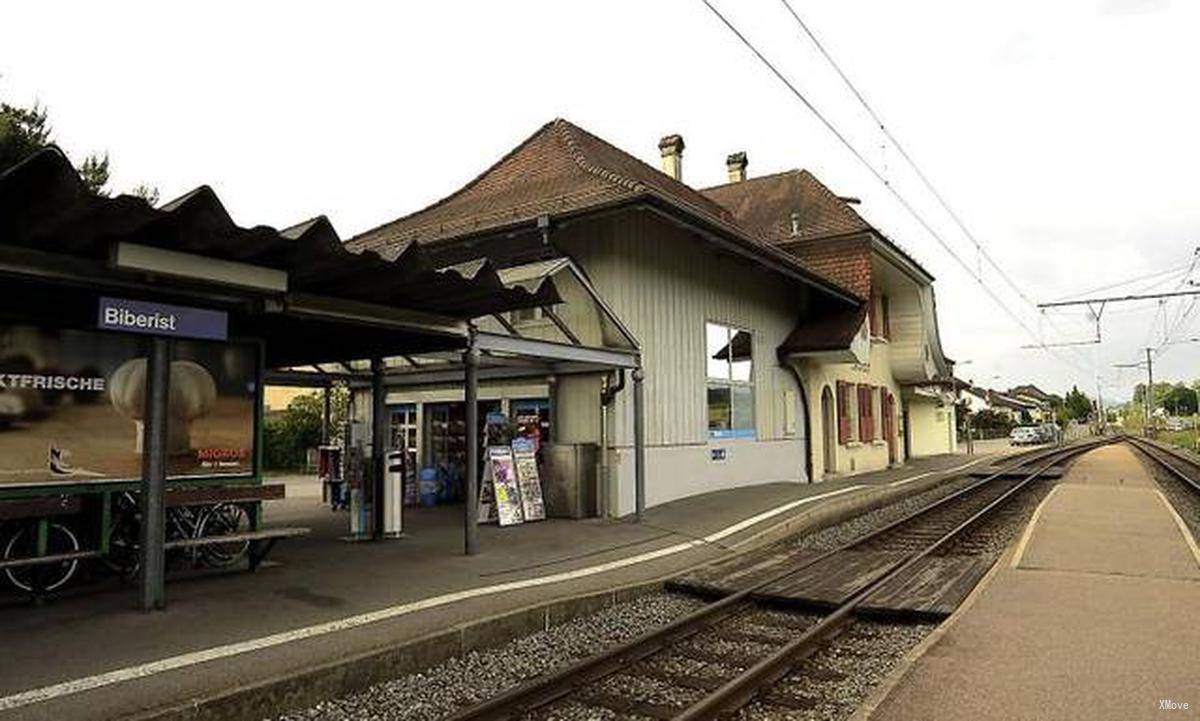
pixel 765 205
pixel 562 169
pixel 846 260
pixel 833 329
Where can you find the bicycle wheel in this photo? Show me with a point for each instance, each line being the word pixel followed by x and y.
pixel 223 519
pixel 53 576
pixel 123 538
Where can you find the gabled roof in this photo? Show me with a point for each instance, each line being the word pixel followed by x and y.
pixel 996 398
pixel 563 170
pixel 559 169
pixel 764 205
pixel 1031 391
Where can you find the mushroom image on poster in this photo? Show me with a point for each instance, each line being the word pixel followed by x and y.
pixel 72 405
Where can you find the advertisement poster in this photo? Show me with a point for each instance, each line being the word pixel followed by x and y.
pixel 525 460
pixel 507 494
pixel 72 401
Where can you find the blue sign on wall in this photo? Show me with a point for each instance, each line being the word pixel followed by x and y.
pixel 136 316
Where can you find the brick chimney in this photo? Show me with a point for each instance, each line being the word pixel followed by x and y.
pixel 736 165
pixel 672 156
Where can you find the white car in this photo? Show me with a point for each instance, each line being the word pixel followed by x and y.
pixel 1024 436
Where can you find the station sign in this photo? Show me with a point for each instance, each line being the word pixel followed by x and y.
pixel 136 316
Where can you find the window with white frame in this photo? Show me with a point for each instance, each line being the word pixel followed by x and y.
pixel 729 369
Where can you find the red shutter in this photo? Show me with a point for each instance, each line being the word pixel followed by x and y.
pixel 843 413
pixel 864 413
pixel 873 315
pixel 887 319
pixel 869 395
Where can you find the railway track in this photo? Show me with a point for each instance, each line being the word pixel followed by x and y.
pixel 1180 478
pixel 716 660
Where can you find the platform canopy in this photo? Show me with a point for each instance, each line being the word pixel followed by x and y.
pixel 299 289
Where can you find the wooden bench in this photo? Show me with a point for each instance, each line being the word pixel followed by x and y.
pixel 48 559
pixel 40 507
pixel 223 494
pixel 261 541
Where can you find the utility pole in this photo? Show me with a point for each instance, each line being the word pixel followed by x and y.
pixel 1149 389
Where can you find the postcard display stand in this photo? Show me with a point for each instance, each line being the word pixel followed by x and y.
pixel 512 489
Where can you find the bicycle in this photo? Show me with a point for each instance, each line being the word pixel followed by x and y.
pixel 182 523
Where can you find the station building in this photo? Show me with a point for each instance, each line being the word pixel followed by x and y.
pixel 778 335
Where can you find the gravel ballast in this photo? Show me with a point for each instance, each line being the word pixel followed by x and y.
pixel 836 680
pixel 850 530
pixel 479 675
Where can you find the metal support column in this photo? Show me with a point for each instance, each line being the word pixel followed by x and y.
pixel 471 399
pixel 379 442
pixel 552 399
pixel 152 551
pixel 639 442
pixel 326 414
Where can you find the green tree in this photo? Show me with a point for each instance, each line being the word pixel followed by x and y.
pixel 1077 405
pixel 24 131
pixel 289 435
pixel 146 192
pixel 1180 400
pixel 94 172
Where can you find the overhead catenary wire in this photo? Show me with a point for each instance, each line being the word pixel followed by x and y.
pixel 887 133
pixel 980 250
pixel 908 207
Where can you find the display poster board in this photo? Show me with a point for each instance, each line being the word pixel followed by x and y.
pixel 501 474
pixel 72 401
pixel 525 461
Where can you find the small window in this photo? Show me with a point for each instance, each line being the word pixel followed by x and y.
pixel 729 369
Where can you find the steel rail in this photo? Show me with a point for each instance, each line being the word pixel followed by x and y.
pixel 556 685
pixel 737 692
pixel 1149 448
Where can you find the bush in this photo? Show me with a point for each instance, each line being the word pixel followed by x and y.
pixel 288 436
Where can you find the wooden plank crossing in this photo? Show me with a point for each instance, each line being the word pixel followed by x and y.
pixel 742 572
pixel 932 589
pixel 833 581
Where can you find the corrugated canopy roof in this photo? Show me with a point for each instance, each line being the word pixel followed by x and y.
pixel 44 206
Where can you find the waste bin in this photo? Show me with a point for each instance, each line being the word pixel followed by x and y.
pixel 393 494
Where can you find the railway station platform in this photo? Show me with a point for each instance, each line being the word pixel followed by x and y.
pixel 1091 615
pixel 321 601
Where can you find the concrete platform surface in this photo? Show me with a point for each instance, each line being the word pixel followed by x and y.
pixel 92 656
pixel 1091 616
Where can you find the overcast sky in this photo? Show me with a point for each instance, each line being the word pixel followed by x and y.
pixel 1063 133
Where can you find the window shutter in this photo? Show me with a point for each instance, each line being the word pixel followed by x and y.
pixel 873 315
pixel 864 413
pixel 843 413
pixel 887 317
